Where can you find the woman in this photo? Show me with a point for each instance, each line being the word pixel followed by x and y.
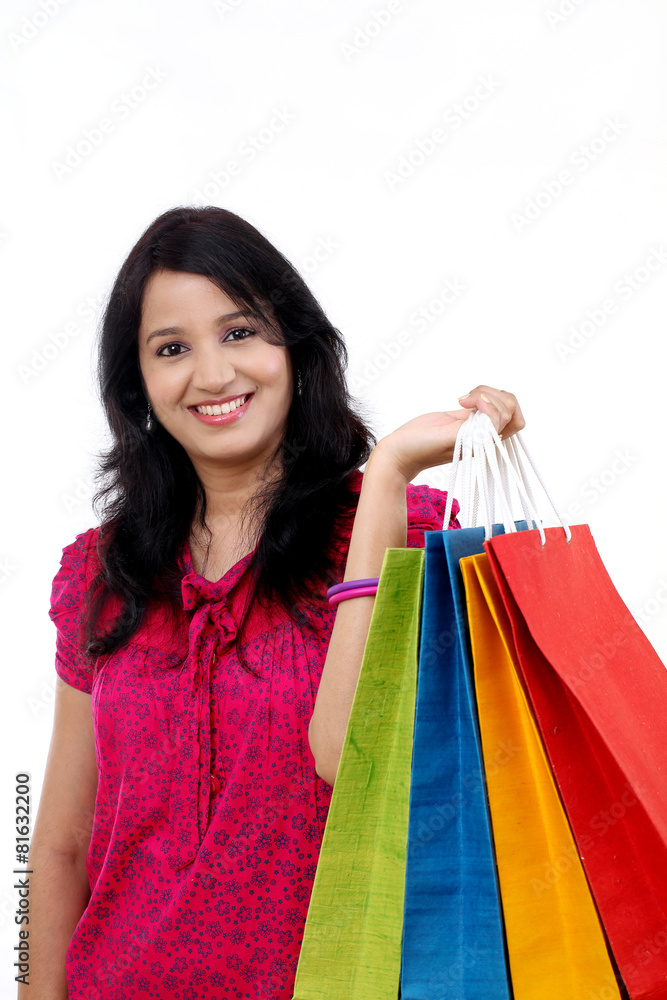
pixel 204 681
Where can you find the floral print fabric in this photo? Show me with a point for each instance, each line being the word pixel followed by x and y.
pixel 209 814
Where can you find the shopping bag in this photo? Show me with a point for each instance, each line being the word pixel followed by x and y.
pixel 351 946
pixel 556 945
pixel 453 941
pixel 599 693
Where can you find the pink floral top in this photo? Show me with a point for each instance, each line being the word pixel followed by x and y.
pixel 209 814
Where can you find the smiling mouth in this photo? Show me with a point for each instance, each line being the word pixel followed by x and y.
pixel 217 409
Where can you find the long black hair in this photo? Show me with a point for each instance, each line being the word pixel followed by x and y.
pixel 151 495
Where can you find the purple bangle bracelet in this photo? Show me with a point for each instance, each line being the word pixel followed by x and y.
pixel 352 585
pixel 345 595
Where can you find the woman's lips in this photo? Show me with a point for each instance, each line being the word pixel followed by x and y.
pixel 222 418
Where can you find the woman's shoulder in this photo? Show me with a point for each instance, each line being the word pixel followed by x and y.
pixel 80 566
pixel 426 507
pixel 68 590
pixel 79 560
pixel 426 504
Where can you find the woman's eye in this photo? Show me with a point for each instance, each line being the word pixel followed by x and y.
pixel 235 335
pixel 240 329
pixel 164 348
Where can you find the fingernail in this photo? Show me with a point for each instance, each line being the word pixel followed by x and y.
pixel 485 398
pixel 464 397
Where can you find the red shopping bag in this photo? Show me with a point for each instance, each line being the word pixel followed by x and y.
pixel 599 694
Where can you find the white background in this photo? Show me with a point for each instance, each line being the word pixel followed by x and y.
pixel 521 92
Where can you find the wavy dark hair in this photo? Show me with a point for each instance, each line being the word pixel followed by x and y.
pixel 151 495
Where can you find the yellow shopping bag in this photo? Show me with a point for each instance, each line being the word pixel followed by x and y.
pixel 556 945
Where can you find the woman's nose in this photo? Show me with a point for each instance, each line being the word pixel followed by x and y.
pixel 212 371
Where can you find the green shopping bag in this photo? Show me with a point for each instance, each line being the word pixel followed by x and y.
pixel 352 938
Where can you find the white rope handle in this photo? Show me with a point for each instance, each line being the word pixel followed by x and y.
pixel 497 482
pixel 515 459
pixel 488 466
pixel 559 515
pixel 494 445
pixel 456 456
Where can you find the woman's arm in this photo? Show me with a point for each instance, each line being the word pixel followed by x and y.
pixel 59 889
pixel 380 523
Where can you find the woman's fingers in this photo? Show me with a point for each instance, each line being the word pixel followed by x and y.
pixel 501 407
pixel 429 439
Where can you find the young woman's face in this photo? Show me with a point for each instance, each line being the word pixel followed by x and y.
pixel 195 349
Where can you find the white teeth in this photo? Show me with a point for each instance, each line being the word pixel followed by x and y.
pixel 223 407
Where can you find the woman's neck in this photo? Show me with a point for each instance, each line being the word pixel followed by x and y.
pixel 229 489
pixel 233 522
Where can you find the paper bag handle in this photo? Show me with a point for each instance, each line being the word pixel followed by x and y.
pixel 488 464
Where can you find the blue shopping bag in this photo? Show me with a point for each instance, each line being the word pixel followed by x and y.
pixel 453 945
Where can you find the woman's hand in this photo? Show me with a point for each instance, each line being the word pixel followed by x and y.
pixel 429 439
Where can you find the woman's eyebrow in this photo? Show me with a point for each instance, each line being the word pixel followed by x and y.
pixel 177 331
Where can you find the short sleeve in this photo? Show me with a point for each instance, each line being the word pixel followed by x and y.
pixel 68 593
pixel 426 506
pixel 426 512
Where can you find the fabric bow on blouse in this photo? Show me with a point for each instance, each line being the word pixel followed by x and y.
pixel 212 631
